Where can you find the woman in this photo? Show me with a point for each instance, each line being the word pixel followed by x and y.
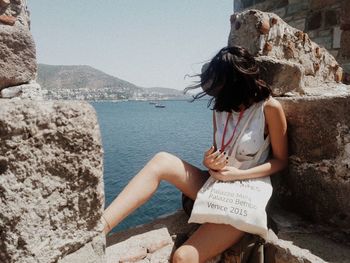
pixel 232 79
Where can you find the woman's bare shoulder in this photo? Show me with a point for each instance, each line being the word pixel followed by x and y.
pixel 272 105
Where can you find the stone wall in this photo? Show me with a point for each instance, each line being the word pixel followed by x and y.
pixel 327 22
pixel 18 66
pixel 304 78
pixel 51 180
pixel 51 160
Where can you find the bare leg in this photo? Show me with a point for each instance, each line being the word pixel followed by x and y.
pixel 163 166
pixel 206 242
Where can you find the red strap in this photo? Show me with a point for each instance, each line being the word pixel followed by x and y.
pixel 223 145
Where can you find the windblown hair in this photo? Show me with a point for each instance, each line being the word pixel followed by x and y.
pixel 232 79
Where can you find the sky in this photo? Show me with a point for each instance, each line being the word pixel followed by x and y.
pixel 150 43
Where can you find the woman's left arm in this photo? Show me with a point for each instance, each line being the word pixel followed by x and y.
pixel 277 127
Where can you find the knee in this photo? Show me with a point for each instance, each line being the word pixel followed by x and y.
pixel 161 161
pixel 185 254
pixel 162 156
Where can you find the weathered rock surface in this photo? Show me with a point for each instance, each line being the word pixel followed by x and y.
pixel 17 48
pixel 51 180
pixel 330 244
pixel 91 252
pixel 317 181
pixel 152 246
pixel 4 3
pixel 125 245
pixel 31 90
pixel 289 51
pixel 282 76
pixel 316 124
pixel 7 20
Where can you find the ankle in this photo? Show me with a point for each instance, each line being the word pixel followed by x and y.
pixel 106 225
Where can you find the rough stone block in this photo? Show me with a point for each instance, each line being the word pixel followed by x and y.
pixel 317 181
pixel 330 18
pixel 7 20
pixel 91 252
pixel 295 1
pixel 336 37
pixel 315 123
pixel 274 250
pixel 17 49
pixel 248 3
pixel 297 7
pixel 25 91
pixel 284 251
pixel 344 15
pixel 324 41
pixel 346 67
pixel 152 244
pixel 334 53
pixel 242 28
pixel 161 255
pixel 312 33
pixel 299 24
pixel 328 243
pixel 303 183
pixel 4 3
pixel 314 21
pixel 316 4
pixel 265 34
pixel 345 44
pixel 262 5
pixel 237 5
pixel 281 12
pixel 17 56
pixel 51 179
pixel 345 26
pixel 282 76
pixel 325 33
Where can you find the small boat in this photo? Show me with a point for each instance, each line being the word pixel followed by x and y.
pixel 159 105
pixel 152 102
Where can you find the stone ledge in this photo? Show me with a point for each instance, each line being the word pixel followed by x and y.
pixel 176 223
pixel 91 252
pixel 31 90
pixel 294 243
pixel 329 243
pixel 152 246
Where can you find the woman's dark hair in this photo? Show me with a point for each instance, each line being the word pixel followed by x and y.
pixel 232 79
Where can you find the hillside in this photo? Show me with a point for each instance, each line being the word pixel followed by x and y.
pixel 85 82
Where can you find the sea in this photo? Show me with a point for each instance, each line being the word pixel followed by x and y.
pixel 134 131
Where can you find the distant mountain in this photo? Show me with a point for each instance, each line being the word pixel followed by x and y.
pixel 85 82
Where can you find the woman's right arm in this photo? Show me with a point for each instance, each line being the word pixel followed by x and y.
pixel 213 158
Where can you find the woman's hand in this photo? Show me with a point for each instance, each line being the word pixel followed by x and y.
pixel 228 173
pixel 214 160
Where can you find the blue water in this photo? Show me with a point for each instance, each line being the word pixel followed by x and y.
pixel 134 131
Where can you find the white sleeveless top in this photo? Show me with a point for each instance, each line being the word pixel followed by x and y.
pixel 248 148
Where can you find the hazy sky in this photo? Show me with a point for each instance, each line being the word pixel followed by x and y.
pixel 151 43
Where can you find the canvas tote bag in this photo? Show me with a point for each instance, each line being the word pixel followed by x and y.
pixel 240 203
